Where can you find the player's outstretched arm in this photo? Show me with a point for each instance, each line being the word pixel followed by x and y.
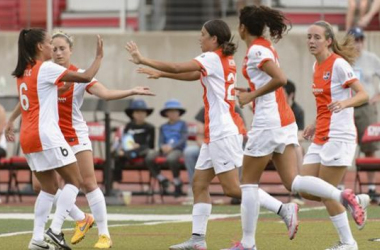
pixel 9 127
pixel 88 75
pixel 155 74
pixel 102 92
pixel 169 67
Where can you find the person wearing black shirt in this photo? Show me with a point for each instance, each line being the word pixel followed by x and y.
pixel 138 136
pixel 290 94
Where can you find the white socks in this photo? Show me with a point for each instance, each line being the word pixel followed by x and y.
pixel 42 209
pixel 65 203
pixel 315 186
pixel 250 208
pixel 201 212
pixel 342 226
pixel 75 213
pixel 269 202
pixel 98 208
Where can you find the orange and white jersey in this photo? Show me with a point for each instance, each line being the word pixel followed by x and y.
pixel 218 81
pixel 332 79
pixel 39 107
pixel 71 121
pixel 271 110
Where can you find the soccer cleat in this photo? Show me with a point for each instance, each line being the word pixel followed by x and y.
pixel 364 201
pixel 104 242
pixel 56 239
pixel 239 246
pixel 41 245
pixel 194 243
pixel 81 228
pixel 342 246
pixel 350 202
pixel 289 214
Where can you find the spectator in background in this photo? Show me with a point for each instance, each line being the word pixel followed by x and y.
pixel 172 142
pixel 367 18
pixel 366 67
pixel 192 151
pixel 290 94
pixel 3 142
pixel 353 7
pixel 138 136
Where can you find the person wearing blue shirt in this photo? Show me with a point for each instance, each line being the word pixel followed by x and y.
pixel 172 141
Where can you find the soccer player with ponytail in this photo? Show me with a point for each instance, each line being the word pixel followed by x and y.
pixel 274 131
pixel 334 131
pixel 42 141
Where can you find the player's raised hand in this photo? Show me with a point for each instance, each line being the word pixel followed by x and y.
pixel 99 47
pixel 152 74
pixel 142 91
pixel 133 50
pixel 9 132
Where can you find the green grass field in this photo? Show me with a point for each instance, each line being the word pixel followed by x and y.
pixel 315 230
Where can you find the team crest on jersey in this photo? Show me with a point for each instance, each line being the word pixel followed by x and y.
pixel 231 62
pixel 326 75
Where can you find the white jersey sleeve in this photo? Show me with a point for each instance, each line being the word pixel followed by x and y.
pixel 87 86
pixel 209 62
pixel 344 72
pixel 51 72
pixel 258 55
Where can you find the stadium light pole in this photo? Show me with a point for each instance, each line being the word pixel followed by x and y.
pixel 122 16
pixel 49 16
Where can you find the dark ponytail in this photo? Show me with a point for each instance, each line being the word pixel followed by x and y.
pixel 256 18
pixel 27 49
pixel 222 32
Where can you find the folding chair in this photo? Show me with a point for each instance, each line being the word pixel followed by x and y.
pixel 368 164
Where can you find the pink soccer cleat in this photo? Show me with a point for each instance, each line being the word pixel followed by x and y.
pixel 350 202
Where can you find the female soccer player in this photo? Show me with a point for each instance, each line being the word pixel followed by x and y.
pixel 75 131
pixel 274 131
pixel 42 141
pixel 221 153
pixel 334 131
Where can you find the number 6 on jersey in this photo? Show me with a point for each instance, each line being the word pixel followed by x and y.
pixel 24 101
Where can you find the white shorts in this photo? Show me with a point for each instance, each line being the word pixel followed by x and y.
pixel 51 158
pixel 262 142
pixel 223 155
pixel 332 153
pixel 84 145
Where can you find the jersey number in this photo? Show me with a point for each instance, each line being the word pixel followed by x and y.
pixel 231 87
pixel 23 98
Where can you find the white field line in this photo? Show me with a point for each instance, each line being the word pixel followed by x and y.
pixel 157 219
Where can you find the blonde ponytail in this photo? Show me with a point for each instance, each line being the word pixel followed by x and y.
pixel 345 49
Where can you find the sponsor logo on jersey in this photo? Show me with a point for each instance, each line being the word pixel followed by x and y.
pixel 316 91
pixel 61 99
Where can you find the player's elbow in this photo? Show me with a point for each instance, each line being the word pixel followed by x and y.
pixel 282 81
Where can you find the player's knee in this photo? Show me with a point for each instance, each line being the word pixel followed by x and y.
pixel 75 180
pixel 310 197
pixel 89 185
pixel 199 187
pixel 233 192
pixel 36 187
